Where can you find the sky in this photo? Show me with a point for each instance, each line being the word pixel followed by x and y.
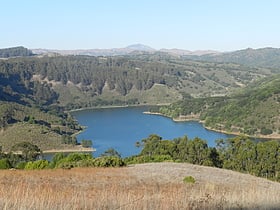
pixel 222 25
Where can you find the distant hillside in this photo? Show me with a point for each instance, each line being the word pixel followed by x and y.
pixel 131 49
pixel 253 111
pixel 264 57
pixel 15 52
pixel 99 52
pixel 77 81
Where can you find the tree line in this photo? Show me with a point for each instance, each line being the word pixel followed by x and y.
pixel 239 153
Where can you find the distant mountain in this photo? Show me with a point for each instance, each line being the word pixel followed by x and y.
pixel 187 52
pixel 131 49
pixel 15 52
pixel 140 47
pixel 99 52
pixel 263 57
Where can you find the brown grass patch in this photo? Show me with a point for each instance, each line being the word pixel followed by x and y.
pixel 147 186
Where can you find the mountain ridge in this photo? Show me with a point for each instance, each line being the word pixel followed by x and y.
pixel 123 51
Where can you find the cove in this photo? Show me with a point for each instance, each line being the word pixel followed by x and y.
pixel 121 128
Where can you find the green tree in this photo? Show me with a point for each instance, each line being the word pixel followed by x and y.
pixel 28 151
pixel 38 164
pixel 150 144
pixel 86 143
pixel 5 163
pixel 111 153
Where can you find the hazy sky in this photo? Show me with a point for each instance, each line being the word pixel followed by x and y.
pixel 222 25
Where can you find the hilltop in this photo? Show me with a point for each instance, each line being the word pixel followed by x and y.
pixel 143 186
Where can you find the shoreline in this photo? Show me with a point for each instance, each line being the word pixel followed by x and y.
pixel 113 106
pixel 195 118
pixel 79 149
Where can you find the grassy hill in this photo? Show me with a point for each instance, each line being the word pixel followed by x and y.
pixel 143 186
pixel 45 128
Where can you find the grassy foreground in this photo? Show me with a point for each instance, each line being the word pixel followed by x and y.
pixel 143 186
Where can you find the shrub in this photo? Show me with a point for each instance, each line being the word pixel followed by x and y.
pixel 21 165
pixel 38 164
pixel 78 156
pixel 56 158
pixel 266 131
pixel 108 161
pixel 189 179
pixel 86 143
pixel 5 164
pixel 71 160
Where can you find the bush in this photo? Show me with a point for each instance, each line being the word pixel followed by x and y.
pixel 108 161
pixel 21 165
pixel 71 160
pixel 5 164
pixel 78 156
pixel 56 158
pixel 189 179
pixel 38 164
pixel 86 143
pixel 266 131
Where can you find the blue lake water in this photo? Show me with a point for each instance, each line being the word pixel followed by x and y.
pixel 120 128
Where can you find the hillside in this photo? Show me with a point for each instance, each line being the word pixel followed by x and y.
pixel 80 81
pixel 143 186
pixel 98 52
pixel 253 111
pixel 263 57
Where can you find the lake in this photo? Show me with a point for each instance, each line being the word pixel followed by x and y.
pixel 120 128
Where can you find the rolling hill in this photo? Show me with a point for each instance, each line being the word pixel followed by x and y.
pixel 143 186
pixel 263 57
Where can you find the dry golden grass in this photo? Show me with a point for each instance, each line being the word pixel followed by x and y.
pixel 146 186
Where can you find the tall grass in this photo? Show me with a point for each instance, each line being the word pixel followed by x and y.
pixel 116 188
